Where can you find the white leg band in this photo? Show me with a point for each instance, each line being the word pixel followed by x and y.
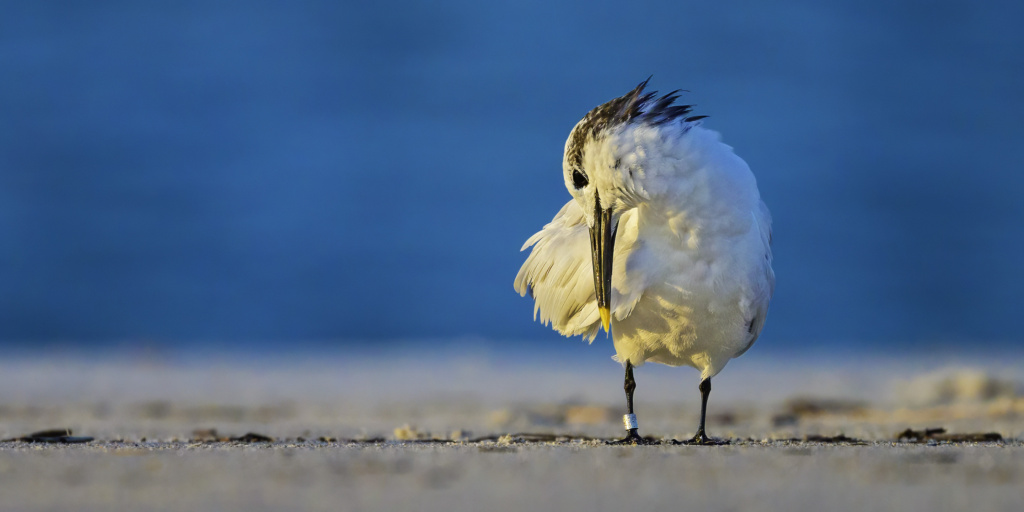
pixel 629 421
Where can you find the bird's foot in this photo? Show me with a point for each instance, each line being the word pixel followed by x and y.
pixel 702 439
pixel 634 438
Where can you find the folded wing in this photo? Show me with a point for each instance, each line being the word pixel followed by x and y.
pixel 760 294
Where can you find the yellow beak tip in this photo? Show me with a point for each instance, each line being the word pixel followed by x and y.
pixel 606 318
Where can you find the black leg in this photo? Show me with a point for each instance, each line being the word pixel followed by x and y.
pixel 632 436
pixel 701 437
pixel 630 386
pixel 705 390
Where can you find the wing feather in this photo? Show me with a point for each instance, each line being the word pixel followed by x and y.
pixel 558 274
pixel 761 295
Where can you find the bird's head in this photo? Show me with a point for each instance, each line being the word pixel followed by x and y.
pixel 608 168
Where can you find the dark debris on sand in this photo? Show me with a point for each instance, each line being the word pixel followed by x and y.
pixel 940 434
pixel 489 442
pixel 56 435
pixel 253 437
pixel 209 435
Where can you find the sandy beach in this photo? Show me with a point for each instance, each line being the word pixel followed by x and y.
pixel 482 433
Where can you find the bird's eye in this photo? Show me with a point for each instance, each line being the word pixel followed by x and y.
pixel 579 180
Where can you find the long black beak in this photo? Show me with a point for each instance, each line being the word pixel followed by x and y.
pixel 602 245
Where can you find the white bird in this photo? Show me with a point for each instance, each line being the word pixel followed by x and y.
pixel 665 243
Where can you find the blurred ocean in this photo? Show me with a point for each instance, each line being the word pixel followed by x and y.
pixel 357 173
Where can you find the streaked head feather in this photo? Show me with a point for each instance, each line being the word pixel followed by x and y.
pixel 636 106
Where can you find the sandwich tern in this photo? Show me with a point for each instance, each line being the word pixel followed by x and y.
pixel 665 243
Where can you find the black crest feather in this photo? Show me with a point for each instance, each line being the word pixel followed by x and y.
pixel 635 106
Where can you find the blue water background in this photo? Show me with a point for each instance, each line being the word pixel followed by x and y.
pixel 250 174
